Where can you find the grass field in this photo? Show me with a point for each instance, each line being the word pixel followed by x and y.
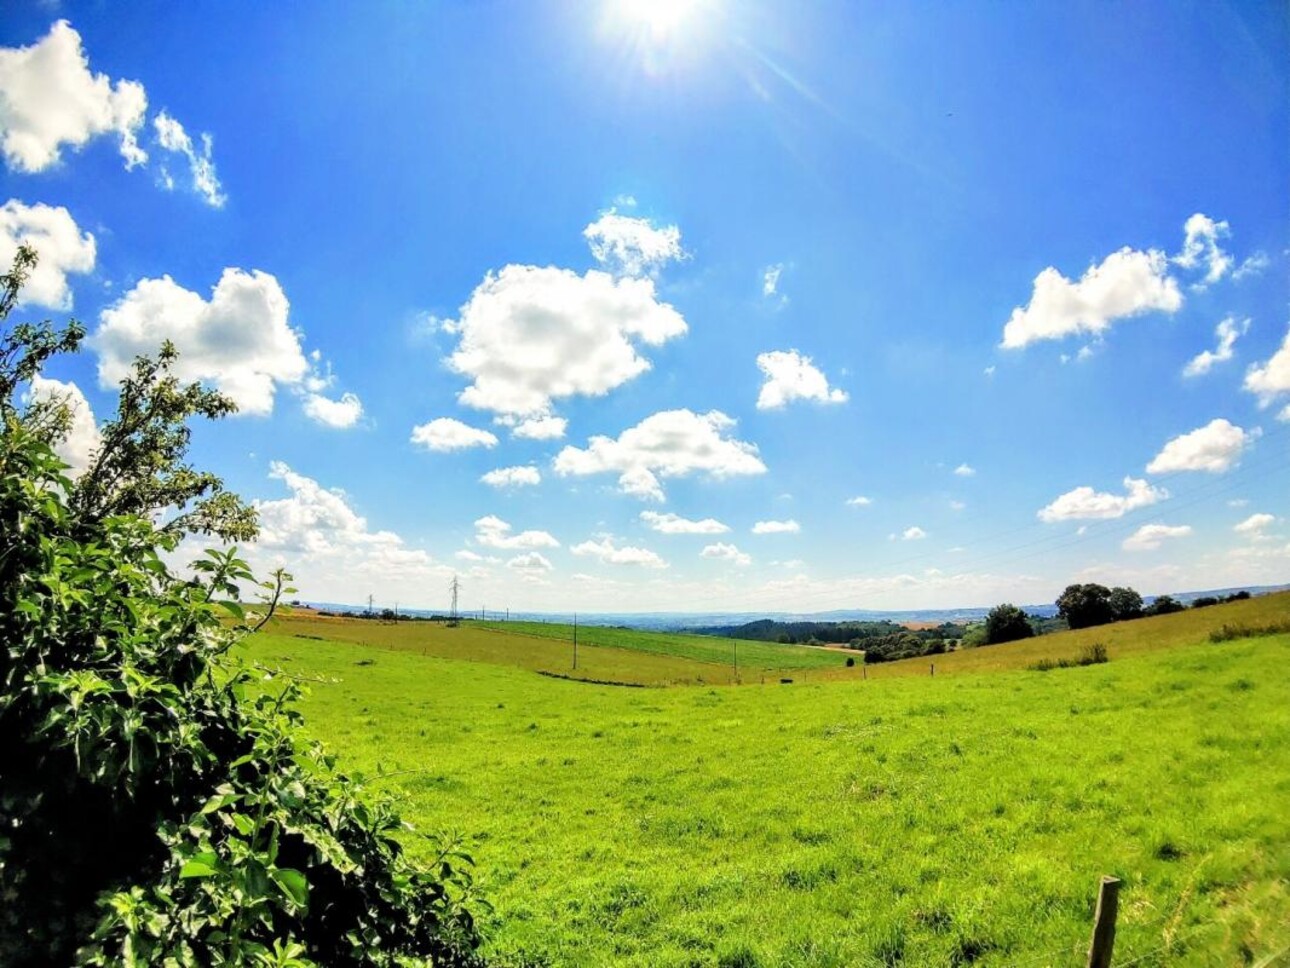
pixel 604 654
pixel 906 820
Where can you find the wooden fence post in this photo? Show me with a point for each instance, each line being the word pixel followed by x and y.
pixel 1108 902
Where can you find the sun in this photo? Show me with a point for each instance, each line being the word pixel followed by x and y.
pixel 662 18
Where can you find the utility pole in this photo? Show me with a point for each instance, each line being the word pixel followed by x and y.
pixel 508 613
pixel 396 613
pixel 575 640
pixel 455 586
pixel 369 604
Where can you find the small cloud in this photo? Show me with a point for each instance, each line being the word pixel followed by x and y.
pixel 503 477
pixel 957 505
pixel 1149 537
pixel 914 533
pixel 989 370
pixel 776 527
pixel 726 552
pixel 859 501
pixel 964 470
pixel 447 434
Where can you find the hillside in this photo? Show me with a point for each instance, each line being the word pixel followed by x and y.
pixel 921 821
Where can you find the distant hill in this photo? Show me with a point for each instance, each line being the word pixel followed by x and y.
pixel 681 621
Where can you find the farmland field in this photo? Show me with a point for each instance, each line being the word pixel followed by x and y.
pixel 906 819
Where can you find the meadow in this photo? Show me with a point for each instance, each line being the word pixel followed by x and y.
pixel 901 819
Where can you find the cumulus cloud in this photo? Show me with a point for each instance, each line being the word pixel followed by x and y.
pixel 914 533
pixel 859 501
pixel 726 552
pixel 671 443
pixel 77 446
pixel 632 246
pixel 339 414
pixel 1271 378
pixel 201 167
pixel 1227 331
pixel 791 376
pixel 1252 266
pixel 605 550
pixel 520 476
pixel 239 340
pixel 1084 503
pixel 1126 283
pixel 329 546
pixel 531 562
pixel 1215 447
pixel 1149 537
pixel 1201 249
pixel 62 247
pixel 1255 526
pixel 447 434
pixel 776 527
pixel 675 524
pixel 492 532
pixel 49 98
pixel 964 470
pixel 530 336
pixel 538 428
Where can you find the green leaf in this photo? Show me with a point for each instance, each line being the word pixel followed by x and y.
pixel 293 884
pixel 200 865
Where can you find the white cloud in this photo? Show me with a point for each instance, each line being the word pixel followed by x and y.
pixel 531 562
pixel 465 554
pixel 914 533
pixel 240 340
pixel 1127 283
pixel 1284 415
pixel 989 370
pixel 1215 447
pixel 1149 537
pixel 539 428
pixel 339 414
pixel 1238 502
pixel 964 470
pixel 726 552
pixel 859 501
pixel 201 167
pixel 1255 526
pixel 58 241
pixel 329 547
pixel 1271 379
pixel 791 376
pixel 1201 248
pixel 1252 266
pixel 671 443
pixel 49 98
pixel 770 280
pixel 632 246
pixel 530 336
pixel 512 477
pixel 675 524
pixel 447 433
pixel 492 532
pixel 957 505
pixel 1227 331
pixel 605 550
pixel 1083 503
pixel 82 438
pixel 776 527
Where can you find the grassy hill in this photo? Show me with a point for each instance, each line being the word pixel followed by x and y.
pixel 900 820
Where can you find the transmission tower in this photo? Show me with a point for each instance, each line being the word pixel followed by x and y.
pixel 455 587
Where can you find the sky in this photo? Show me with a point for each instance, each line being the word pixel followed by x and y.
pixel 691 305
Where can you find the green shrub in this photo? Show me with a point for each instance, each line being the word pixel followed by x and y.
pixel 155 802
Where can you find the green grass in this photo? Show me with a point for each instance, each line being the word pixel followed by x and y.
pixel 605 655
pixel 700 648
pixel 918 821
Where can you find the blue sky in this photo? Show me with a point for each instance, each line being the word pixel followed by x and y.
pixel 673 270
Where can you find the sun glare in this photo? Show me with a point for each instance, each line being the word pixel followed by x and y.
pixel 662 18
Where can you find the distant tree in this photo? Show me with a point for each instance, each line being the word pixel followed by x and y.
pixel 1084 606
pixel 1165 605
pixel 1204 601
pixel 1006 623
pixel 1240 596
pixel 1125 604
